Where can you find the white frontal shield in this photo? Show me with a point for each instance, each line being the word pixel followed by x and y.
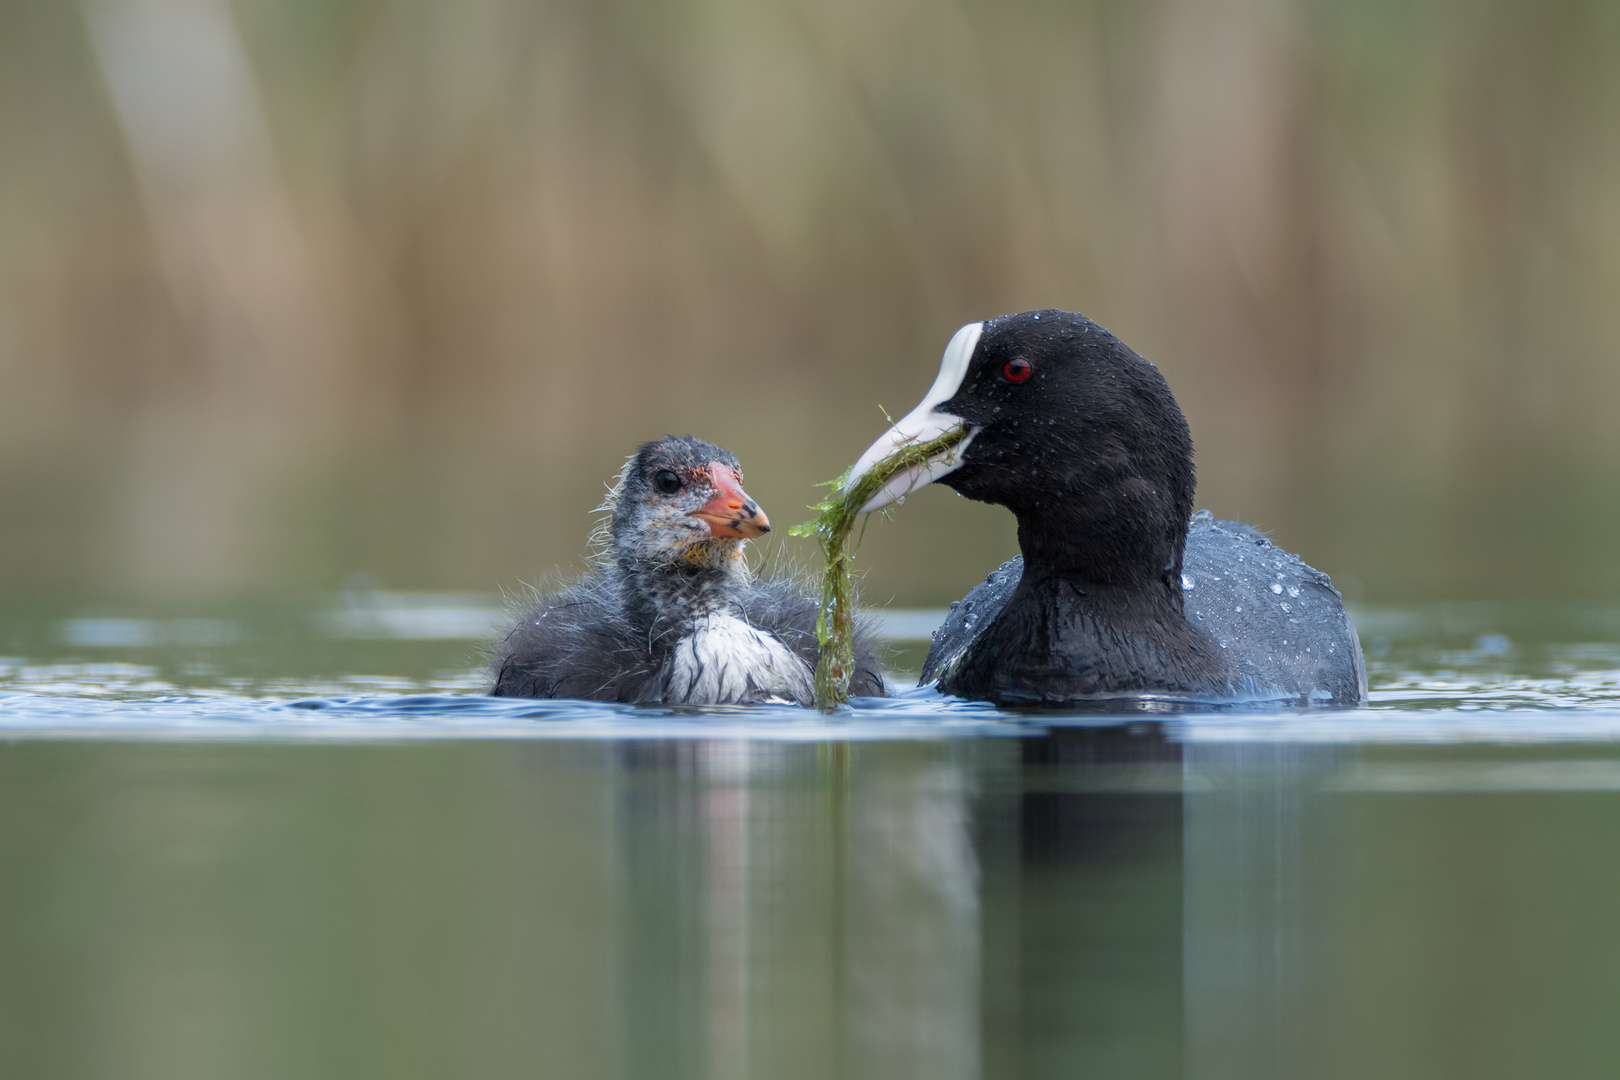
pixel 924 423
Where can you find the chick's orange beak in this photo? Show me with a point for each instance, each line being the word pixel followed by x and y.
pixel 731 513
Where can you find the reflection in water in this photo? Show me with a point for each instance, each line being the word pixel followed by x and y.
pixel 1255 837
pixel 941 910
pixel 913 917
pixel 1094 901
pixel 799 910
pixel 1086 907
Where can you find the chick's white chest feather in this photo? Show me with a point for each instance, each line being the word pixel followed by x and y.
pixel 724 661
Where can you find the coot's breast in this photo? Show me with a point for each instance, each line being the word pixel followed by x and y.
pixel 1282 625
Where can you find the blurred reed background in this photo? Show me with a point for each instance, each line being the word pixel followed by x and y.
pixel 295 291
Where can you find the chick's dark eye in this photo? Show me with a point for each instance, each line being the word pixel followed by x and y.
pixel 1016 370
pixel 666 481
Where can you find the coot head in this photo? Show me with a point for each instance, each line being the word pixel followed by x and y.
pixel 679 502
pixel 1069 429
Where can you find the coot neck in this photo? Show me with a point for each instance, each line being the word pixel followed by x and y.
pixel 666 599
pixel 1074 629
pixel 1110 562
pixel 1095 613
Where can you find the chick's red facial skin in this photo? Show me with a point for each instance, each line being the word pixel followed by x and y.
pixel 731 513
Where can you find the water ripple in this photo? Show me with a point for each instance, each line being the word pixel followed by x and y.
pixel 1442 673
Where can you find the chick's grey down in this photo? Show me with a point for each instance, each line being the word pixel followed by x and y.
pixel 671 614
pixel 1119 590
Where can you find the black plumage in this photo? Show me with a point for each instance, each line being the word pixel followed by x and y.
pixel 1083 441
pixel 671 612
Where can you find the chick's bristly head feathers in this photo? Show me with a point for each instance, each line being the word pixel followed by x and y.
pixel 679 502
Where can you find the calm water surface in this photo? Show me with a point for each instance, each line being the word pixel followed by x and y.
pixel 293 841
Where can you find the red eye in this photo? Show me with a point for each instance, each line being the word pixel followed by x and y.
pixel 1017 369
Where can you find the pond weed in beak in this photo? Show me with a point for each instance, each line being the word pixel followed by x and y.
pixel 834 521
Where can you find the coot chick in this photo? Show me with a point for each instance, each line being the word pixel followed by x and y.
pixel 672 614
pixel 1112 596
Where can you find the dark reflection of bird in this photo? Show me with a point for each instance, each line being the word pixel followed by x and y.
pixel 1120 590
pixel 672 613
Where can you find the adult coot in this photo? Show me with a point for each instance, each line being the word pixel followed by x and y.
pixel 1120 590
pixel 671 613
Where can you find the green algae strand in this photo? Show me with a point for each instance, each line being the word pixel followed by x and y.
pixel 834 521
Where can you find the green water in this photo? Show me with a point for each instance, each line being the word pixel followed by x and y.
pixel 292 861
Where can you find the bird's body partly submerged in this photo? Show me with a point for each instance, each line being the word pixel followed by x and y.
pixel 671 614
pixel 1113 597
pixel 1279 624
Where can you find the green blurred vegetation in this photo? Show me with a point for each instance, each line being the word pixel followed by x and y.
pixel 295 291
